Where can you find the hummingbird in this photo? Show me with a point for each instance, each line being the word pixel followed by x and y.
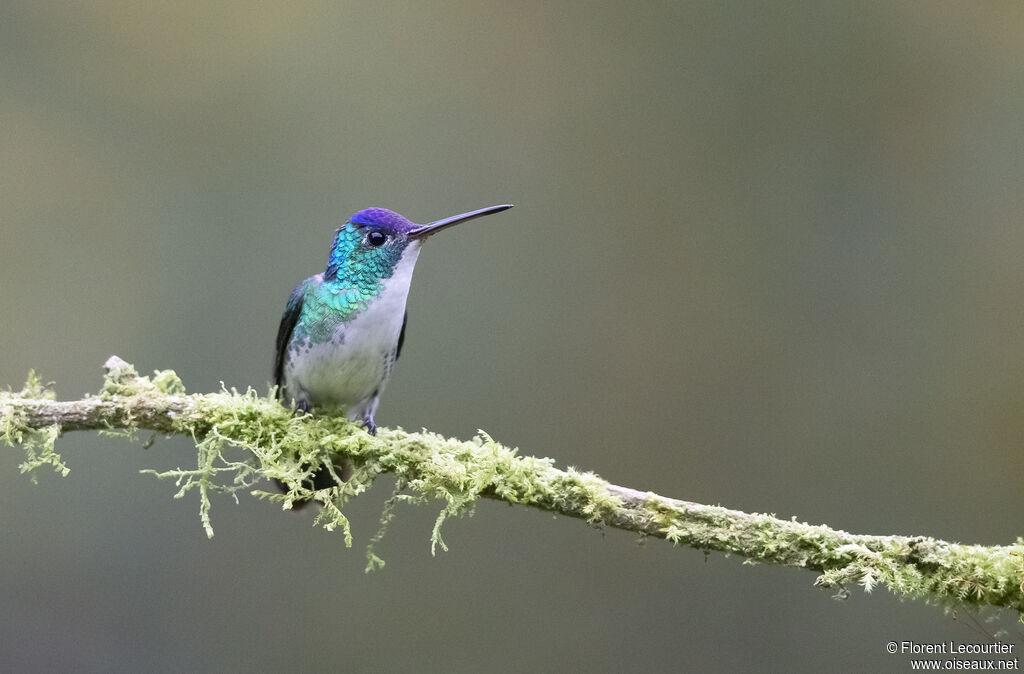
pixel 343 330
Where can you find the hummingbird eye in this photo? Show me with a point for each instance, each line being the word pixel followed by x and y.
pixel 376 239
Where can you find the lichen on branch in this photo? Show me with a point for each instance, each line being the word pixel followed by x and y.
pixel 243 440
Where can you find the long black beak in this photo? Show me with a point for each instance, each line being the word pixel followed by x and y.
pixel 438 225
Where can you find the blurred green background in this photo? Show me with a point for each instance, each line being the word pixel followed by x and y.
pixel 763 255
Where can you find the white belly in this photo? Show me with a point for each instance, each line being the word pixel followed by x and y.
pixel 349 369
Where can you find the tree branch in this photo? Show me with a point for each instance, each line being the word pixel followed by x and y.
pixel 244 439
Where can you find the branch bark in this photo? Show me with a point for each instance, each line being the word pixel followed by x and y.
pixel 279 444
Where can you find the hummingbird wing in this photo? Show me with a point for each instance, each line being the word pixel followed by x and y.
pixel 292 310
pixel 401 335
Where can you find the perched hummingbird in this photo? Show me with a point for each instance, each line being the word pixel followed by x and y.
pixel 342 330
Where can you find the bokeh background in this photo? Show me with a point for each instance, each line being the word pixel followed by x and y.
pixel 766 255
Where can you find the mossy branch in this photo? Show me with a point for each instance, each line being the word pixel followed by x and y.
pixel 245 439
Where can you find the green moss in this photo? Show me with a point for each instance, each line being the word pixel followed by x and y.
pixel 946 573
pixel 121 379
pixel 38 444
pixel 244 439
pixel 275 444
pixel 167 381
pixel 39 452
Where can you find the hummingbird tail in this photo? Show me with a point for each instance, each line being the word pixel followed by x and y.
pixel 321 479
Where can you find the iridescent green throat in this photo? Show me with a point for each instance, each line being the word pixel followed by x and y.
pixel 355 274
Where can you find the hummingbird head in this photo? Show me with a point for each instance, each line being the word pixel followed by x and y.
pixel 374 240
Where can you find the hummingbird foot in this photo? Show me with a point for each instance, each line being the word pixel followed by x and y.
pixel 369 426
pixel 365 410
